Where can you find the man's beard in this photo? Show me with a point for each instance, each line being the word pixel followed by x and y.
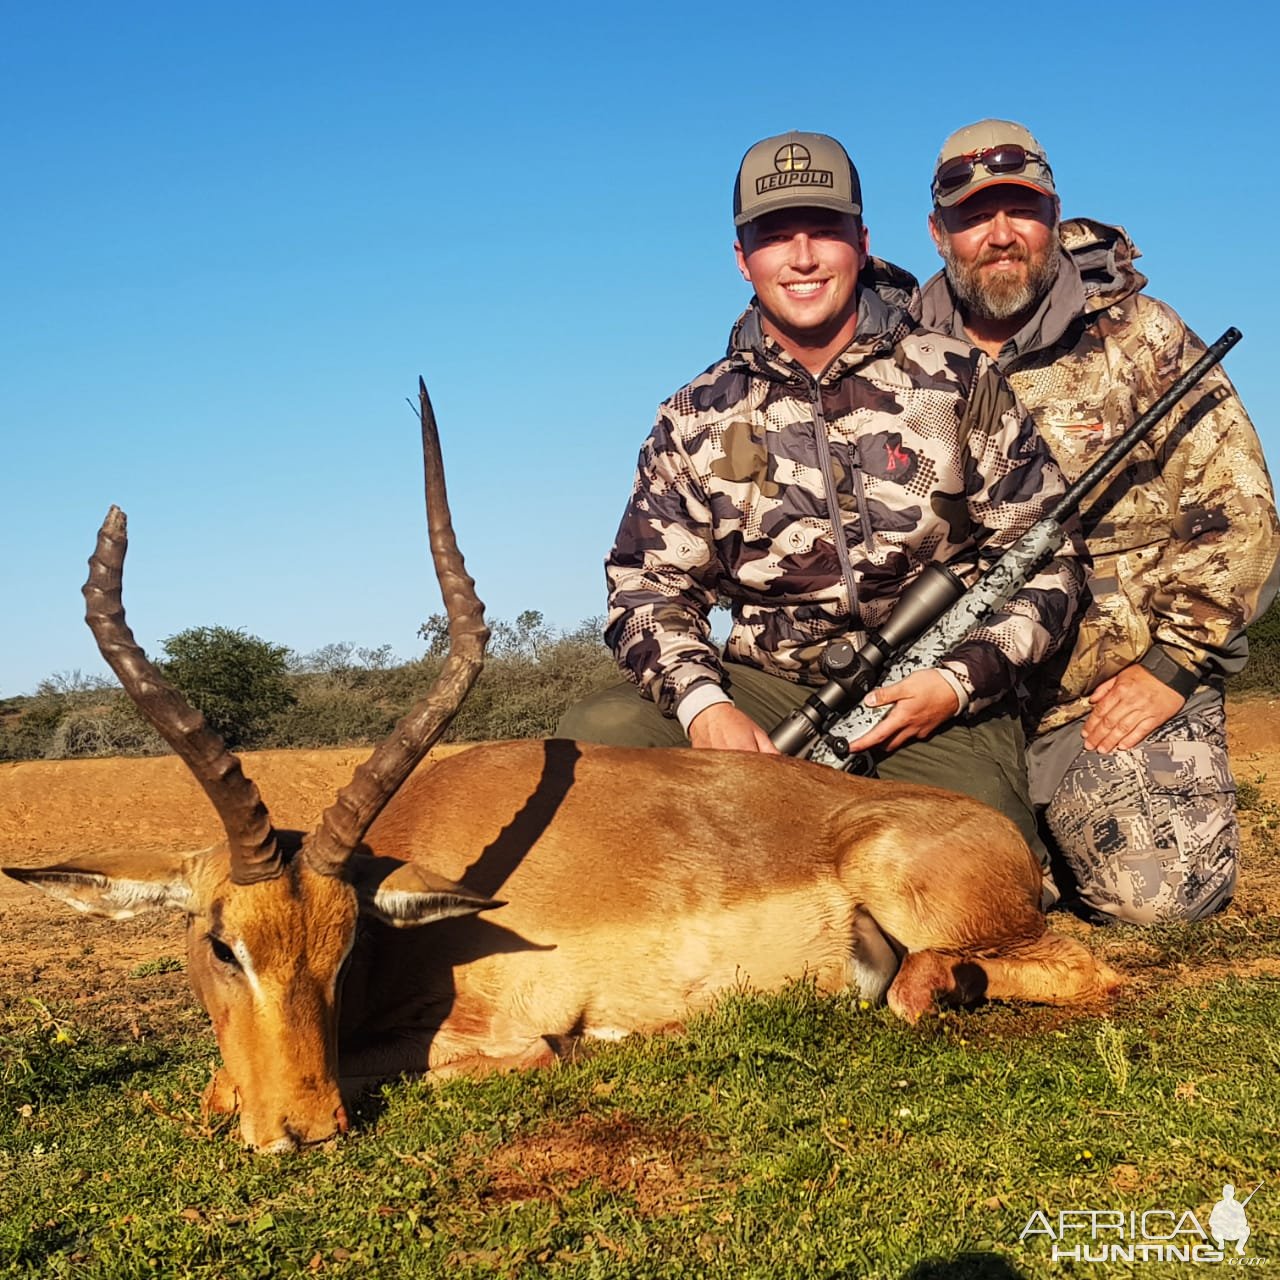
pixel 1001 295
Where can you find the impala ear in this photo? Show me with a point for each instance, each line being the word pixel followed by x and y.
pixel 116 885
pixel 404 895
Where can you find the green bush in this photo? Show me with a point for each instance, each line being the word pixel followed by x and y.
pixel 28 725
pixel 340 701
pixel 1262 674
pixel 259 694
pixel 239 682
pixel 514 699
pixel 74 715
pixel 256 694
pixel 523 691
pixel 324 714
pixel 532 673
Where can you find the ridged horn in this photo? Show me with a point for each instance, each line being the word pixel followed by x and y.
pixel 255 854
pixel 345 822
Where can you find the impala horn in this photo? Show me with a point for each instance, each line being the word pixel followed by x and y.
pixel 345 822
pixel 255 853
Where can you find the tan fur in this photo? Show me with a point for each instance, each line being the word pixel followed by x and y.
pixel 641 884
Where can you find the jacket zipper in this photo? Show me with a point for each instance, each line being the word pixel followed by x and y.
pixel 833 501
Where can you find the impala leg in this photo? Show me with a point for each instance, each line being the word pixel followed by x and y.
pixel 929 979
pixel 539 1053
pixel 873 958
pixel 409 1056
pixel 1050 969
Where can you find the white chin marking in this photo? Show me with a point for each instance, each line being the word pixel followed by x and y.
pixel 870 981
pixel 280 1147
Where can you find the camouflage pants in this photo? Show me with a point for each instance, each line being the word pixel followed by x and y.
pixel 1148 834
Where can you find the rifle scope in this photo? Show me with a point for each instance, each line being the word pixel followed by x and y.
pixel 852 672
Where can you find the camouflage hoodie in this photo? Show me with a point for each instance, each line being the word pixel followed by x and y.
pixel 808 505
pixel 1184 536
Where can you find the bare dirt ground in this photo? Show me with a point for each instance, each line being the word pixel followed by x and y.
pixel 121 975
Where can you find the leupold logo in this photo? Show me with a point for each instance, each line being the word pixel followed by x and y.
pixel 792 161
pixel 791 158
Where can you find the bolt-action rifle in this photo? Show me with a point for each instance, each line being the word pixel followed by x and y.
pixel 937 611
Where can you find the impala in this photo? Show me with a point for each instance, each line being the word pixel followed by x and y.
pixel 627 888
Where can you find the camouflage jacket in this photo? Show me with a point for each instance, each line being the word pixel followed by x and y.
pixel 809 505
pixel 1184 537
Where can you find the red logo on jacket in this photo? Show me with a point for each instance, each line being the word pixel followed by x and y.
pixel 884 456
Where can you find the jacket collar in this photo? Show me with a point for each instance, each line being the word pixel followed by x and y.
pixel 1104 255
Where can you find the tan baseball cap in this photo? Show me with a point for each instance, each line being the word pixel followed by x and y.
pixel 983 154
pixel 795 171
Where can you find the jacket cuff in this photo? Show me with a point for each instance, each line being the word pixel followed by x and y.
pixel 958 676
pixel 1157 661
pixel 698 700
pixel 957 688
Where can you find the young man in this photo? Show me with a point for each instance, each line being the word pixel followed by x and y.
pixel 805 479
pixel 1128 758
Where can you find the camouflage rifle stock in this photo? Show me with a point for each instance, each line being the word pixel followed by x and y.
pixel 936 612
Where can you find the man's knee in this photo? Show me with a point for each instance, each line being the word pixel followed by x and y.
pixel 620 717
pixel 1145 846
pixel 1123 896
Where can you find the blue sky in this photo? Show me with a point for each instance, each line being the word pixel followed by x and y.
pixel 236 234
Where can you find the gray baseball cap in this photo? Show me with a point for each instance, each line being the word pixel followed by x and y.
pixel 795 171
pixel 986 153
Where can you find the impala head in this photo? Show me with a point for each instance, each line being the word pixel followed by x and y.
pixel 271 913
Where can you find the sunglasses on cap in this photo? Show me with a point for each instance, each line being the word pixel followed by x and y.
pixel 1010 158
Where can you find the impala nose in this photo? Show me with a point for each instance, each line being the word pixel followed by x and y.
pixel 297 1139
pixel 280 1147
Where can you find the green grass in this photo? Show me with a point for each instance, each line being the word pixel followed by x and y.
pixel 783 1136
pixel 163 964
pixel 1261 814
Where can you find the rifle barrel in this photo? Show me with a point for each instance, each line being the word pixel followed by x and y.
pixel 1070 501
pixel 1251 1194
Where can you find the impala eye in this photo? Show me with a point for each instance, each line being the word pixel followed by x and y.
pixel 223 953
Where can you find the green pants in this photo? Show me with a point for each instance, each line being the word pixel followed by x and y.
pixel 982 757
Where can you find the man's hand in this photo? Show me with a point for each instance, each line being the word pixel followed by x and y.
pixel 1128 707
pixel 723 727
pixel 921 703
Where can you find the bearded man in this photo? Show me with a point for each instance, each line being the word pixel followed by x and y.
pixel 1127 759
